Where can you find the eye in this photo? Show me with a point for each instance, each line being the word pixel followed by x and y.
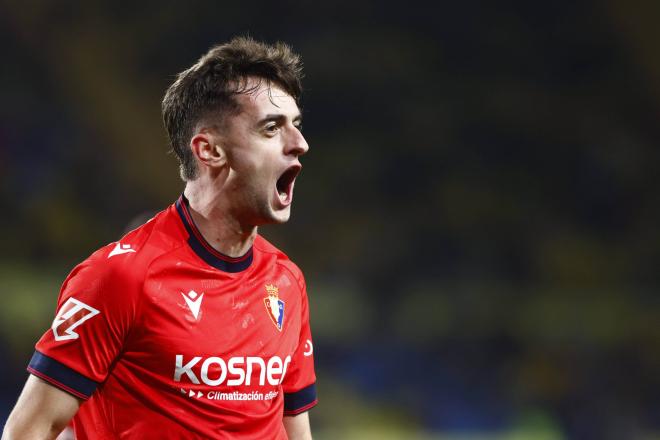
pixel 299 126
pixel 271 128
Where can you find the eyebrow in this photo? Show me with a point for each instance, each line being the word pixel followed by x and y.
pixel 279 118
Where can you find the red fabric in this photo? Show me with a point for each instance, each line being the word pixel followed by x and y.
pixel 145 329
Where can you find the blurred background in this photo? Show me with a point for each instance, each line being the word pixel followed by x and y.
pixel 477 218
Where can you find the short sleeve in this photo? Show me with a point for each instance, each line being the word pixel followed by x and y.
pixel 299 384
pixel 95 311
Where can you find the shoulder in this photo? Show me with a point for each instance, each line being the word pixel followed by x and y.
pixel 126 260
pixel 280 258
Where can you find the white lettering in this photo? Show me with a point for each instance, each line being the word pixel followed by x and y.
pixel 235 370
pixel 253 395
pixel 255 360
pixel 286 364
pixel 180 369
pixel 205 371
pixel 274 367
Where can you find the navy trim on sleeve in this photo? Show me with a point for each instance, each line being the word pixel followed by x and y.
pixel 61 376
pixel 300 401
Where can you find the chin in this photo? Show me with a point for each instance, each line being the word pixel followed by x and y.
pixel 281 216
pixel 275 217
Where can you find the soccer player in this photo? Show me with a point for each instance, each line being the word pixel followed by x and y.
pixel 193 326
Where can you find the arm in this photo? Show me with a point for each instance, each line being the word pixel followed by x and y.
pixel 42 412
pixel 297 427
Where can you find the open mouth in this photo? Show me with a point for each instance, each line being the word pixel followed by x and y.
pixel 284 185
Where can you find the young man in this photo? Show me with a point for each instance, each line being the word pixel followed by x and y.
pixel 193 326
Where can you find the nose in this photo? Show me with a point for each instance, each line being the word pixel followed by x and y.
pixel 296 144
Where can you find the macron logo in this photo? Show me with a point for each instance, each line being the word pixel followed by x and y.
pixel 194 301
pixel 121 249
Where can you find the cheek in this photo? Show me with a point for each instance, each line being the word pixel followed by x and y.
pixel 248 156
pixel 252 162
pixel 253 176
pixel 243 167
pixel 256 166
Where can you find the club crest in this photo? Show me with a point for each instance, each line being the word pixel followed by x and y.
pixel 274 306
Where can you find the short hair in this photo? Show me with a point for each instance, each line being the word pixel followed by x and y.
pixel 208 88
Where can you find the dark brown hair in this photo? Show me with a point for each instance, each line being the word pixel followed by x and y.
pixel 207 88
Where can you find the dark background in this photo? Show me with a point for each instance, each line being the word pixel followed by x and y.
pixel 477 218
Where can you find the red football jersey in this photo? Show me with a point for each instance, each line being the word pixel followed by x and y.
pixel 169 339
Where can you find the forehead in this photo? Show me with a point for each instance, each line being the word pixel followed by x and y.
pixel 263 99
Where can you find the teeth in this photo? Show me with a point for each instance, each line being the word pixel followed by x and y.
pixel 284 185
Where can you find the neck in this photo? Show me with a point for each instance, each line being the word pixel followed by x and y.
pixel 214 220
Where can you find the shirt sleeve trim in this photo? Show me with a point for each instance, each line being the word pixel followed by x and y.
pixel 300 401
pixel 301 410
pixel 61 376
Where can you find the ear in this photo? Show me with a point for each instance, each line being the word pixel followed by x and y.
pixel 207 148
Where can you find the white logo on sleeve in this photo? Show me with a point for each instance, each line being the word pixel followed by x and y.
pixel 194 301
pixel 309 348
pixel 121 249
pixel 71 315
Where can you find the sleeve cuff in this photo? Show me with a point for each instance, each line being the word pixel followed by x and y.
pixel 300 401
pixel 61 376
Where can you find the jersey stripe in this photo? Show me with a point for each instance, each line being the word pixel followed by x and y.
pixel 300 401
pixel 61 376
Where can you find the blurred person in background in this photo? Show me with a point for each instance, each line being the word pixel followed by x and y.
pixel 193 325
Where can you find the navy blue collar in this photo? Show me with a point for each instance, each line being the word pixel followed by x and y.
pixel 204 250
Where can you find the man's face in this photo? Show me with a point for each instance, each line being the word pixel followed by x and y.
pixel 263 142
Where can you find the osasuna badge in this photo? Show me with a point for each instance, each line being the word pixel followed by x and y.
pixel 274 306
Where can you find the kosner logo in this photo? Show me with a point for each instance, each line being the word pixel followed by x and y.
pixel 214 370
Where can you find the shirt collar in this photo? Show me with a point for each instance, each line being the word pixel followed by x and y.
pixel 203 249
